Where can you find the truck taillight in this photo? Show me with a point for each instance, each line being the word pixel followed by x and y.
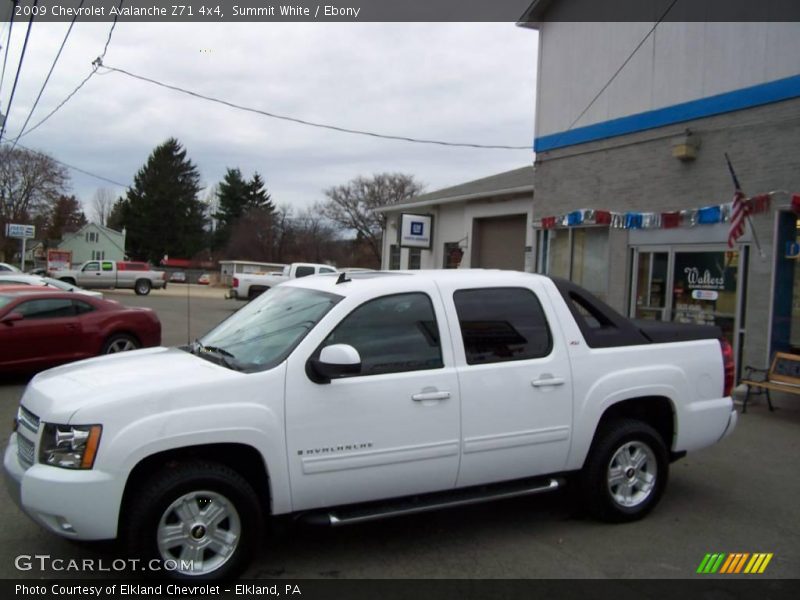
pixel 729 368
pixel 235 282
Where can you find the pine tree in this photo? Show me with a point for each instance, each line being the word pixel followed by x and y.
pixel 161 212
pixel 66 216
pixel 237 199
pixel 258 196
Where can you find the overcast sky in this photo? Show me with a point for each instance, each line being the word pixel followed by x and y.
pixel 458 82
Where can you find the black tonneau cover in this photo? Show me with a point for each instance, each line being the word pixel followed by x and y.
pixel 603 327
pixel 661 332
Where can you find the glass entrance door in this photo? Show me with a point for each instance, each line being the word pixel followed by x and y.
pixel 651 286
pixel 704 289
pixel 688 284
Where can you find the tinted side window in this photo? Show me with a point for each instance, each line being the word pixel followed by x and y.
pixel 502 324
pixel 51 308
pixel 92 266
pixel 303 271
pixel 392 334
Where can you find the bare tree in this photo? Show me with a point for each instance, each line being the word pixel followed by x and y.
pixel 102 205
pixel 352 205
pixel 30 183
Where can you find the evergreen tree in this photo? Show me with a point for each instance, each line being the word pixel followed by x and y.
pixel 161 212
pixel 258 196
pixel 237 198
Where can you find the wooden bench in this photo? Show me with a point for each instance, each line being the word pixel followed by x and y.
pixel 783 376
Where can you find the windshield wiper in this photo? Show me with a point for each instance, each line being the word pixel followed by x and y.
pixel 221 355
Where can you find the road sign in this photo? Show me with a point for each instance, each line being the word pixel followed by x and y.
pixel 17 230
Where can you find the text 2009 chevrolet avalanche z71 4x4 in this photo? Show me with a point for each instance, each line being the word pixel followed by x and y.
pixel 339 400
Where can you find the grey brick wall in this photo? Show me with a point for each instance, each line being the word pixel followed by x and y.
pixel 638 172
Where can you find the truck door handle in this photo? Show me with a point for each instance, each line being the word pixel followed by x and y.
pixel 426 396
pixel 547 381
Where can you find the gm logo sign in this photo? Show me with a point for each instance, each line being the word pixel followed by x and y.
pixel 417 228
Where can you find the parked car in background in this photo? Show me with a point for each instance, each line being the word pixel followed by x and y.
pixel 41 272
pixel 204 279
pixel 35 280
pixel 43 327
pixel 178 277
pixel 137 276
pixel 5 267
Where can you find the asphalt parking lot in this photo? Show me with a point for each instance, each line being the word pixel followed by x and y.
pixel 742 495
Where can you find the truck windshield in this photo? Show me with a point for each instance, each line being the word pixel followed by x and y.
pixel 264 332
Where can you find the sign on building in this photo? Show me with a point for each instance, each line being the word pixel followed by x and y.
pixel 416 231
pixel 17 230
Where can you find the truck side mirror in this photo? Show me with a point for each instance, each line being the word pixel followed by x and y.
pixel 336 360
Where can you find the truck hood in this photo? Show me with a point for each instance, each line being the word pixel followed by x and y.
pixel 145 377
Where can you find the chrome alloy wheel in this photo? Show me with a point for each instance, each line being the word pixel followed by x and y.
pixel 198 533
pixel 632 474
pixel 121 345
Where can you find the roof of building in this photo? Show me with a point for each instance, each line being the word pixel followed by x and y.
pixel 509 182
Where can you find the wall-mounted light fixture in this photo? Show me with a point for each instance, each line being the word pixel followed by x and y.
pixel 685 147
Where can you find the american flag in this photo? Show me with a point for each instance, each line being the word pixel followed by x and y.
pixel 740 209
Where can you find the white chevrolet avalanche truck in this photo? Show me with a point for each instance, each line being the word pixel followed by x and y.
pixel 338 399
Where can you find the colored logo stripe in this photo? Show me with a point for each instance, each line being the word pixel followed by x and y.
pixel 735 562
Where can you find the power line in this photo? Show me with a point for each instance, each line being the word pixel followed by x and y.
pixel 73 167
pixel 95 65
pixel 8 44
pixel 47 79
pixel 19 70
pixel 619 70
pixel 306 122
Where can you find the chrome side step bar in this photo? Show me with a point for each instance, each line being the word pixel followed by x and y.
pixel 362 514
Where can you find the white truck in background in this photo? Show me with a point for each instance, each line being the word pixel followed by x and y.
pixel 247 286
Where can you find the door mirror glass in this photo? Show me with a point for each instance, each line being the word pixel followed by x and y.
pixel 336 360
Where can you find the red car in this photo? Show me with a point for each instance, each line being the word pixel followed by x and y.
pixel 41 328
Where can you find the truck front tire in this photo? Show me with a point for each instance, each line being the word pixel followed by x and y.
pixel 626 471
pixel 142 287
pixel 202 521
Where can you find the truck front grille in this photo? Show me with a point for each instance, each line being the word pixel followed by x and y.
pixel 28 419
pixel 26 451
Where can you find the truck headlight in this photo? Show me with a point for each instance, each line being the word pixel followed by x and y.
pixel 69 446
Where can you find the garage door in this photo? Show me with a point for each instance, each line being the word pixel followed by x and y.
pixel 500 242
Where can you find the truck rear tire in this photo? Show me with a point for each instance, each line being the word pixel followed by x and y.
pixel 626 471
pixel 197 511
pixel 142 287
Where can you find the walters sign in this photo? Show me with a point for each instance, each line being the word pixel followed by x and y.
pixel 704 271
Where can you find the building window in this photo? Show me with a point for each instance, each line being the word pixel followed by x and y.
pixel 394 257
pixel 579 254
pixel 414 258
pixel 91 236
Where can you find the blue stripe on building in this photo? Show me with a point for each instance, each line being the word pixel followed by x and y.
pixel 757 95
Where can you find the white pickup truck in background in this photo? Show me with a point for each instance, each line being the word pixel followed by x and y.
pixel 339 400
pixel 247 286
pixel 93 274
